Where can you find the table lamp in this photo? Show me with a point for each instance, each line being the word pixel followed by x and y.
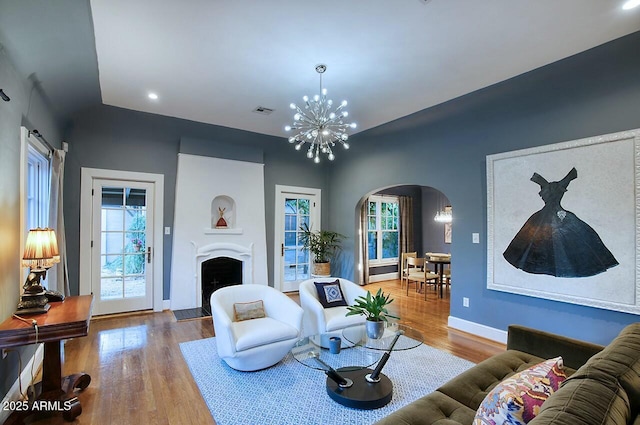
pixel 40 254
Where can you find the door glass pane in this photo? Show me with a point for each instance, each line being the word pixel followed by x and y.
pixel 303 206
pixel 136 197
pixel 134 286
pixel 291 222
pixel 290 206
pixel 112 219
pixel 290 239
pixel 123 243
pixel 296 258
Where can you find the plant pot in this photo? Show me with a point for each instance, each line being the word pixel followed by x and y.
pixel 375 330
pixel 322 269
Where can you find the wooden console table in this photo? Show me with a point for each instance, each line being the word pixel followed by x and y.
pixel 67 319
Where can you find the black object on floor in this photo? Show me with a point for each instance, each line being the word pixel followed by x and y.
pixel 191 313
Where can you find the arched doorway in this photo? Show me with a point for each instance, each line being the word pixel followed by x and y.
pixel 385 230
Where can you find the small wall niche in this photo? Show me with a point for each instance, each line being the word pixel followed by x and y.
pixel 223 213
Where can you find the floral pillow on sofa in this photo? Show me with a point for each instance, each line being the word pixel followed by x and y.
pixel 517 399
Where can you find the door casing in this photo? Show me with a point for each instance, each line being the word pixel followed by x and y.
pixel 315 218
pixel 88 175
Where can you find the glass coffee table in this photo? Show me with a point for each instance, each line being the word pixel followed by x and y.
pixel 354 375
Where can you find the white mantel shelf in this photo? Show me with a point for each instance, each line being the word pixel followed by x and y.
pixel 234 231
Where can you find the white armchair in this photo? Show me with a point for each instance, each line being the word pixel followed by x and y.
pixel 320 320
pixel 255 344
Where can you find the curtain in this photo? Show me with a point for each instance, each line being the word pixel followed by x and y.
pixel 363 259
pixel 405 205
pixel 58 276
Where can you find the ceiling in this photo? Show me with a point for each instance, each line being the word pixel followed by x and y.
pixel 215 61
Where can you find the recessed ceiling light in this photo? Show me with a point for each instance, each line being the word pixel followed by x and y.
pixel 630 4
pixel 153 96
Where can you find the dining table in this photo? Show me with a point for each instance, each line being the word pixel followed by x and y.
pixel 439 260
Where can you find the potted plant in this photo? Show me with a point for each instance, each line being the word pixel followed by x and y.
pixel 373 307
pixel 323 244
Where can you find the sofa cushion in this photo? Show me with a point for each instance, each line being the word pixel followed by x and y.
pixel 473 385
pixel 248 311
pixel 585 401
pixel 330 294
pixel 621 360
pixel 517 399
pixel 433 409
pixel 256 332
pixel 335 318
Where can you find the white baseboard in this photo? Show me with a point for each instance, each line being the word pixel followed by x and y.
pixel 384 276
pixel 25 378
pixel 484 331
pixel 166 304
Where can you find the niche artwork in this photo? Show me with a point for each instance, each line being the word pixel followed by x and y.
pixel 554 241
pixel 221 223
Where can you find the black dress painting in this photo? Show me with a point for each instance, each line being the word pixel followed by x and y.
pixel 555 241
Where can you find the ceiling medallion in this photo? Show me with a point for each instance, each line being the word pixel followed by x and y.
pixel 317 125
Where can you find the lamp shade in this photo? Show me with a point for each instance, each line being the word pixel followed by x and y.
pixel 41 249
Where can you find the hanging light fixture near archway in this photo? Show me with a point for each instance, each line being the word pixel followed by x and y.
pixel 317 125
pixel 444 216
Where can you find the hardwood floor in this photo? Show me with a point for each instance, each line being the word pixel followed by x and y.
pixel 139 375
pixel 430 318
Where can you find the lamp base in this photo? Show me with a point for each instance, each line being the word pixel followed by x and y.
pixel 33 303
pixel 33 310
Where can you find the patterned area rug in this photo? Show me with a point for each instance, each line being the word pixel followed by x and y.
pixel 290 393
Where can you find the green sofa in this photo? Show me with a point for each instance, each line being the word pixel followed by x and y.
pixel 603 385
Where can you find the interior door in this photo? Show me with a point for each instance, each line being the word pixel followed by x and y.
pixel 122 246
pixel 295 207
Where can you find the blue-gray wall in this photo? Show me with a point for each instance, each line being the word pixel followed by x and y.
pixel 433 232
pixel 593 93
pixel 28 108
pixel 120 139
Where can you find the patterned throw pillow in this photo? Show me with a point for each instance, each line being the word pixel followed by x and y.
pixel 330 294
pixel 247 311
pixel 517 399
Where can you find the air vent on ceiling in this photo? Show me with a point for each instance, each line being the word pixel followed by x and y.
pixel 262 110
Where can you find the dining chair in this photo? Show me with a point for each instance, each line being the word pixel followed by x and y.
pixel 403 266
pixel 418 272
pixel 446 275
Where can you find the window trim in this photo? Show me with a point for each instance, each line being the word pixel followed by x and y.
pixel 382 262
pixel 29 147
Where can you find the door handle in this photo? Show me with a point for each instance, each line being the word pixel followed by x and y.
pixel 282 253
pixel 149 254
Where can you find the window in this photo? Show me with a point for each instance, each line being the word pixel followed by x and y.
pixel 383 221
pixel 38 182
pixel 35 181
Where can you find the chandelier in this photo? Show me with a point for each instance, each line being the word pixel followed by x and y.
pixel 444 216
pixel 317 125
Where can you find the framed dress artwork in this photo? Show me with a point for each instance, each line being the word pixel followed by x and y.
pixel 562 221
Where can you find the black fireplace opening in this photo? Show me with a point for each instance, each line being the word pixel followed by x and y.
pixel 217 273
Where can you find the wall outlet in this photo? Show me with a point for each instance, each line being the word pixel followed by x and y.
pixel 475 237
pixel 465 302
pixel 167 230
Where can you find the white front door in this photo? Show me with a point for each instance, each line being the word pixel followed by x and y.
pixel 122 246
pixel 295 206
